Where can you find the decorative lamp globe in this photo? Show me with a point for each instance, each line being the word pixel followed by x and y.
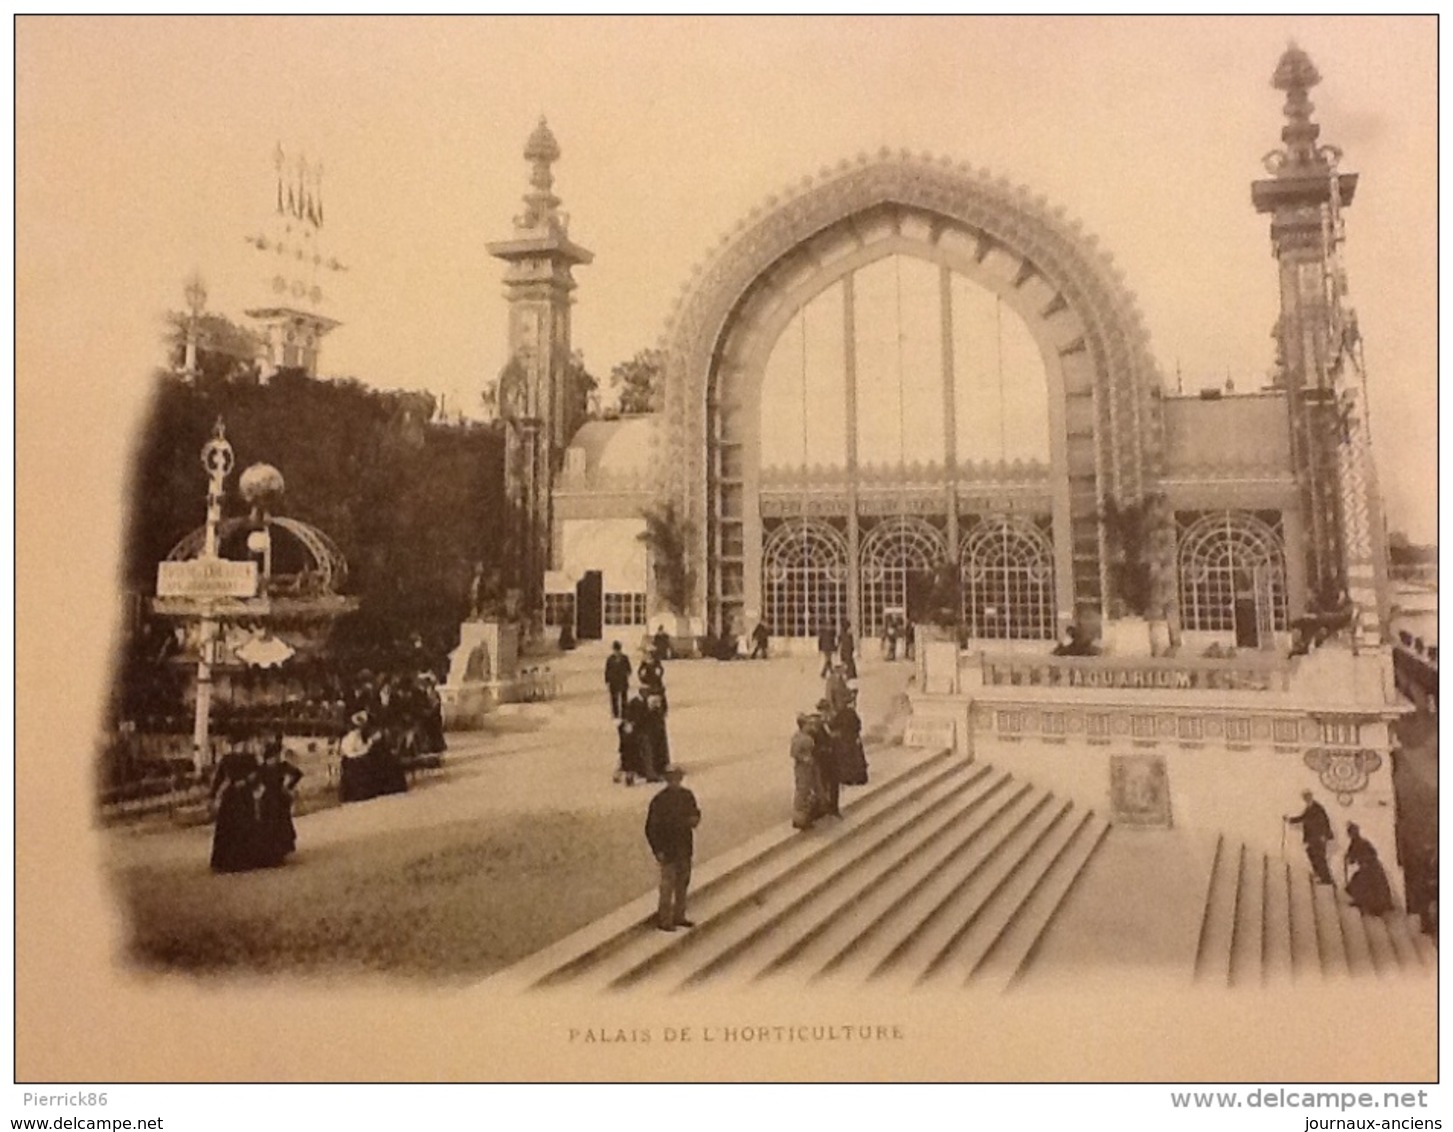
pixel 260 483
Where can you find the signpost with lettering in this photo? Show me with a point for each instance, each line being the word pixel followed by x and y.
pixel 204 579
pixel 205 586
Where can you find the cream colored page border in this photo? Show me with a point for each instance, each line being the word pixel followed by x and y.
pixel 91 259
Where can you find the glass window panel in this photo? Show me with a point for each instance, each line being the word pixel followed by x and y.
pixel 1216 547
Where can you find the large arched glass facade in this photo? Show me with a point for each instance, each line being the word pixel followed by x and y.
pixel 947 264
pixel 805 578
pixel 1222 553
pixel 1007 570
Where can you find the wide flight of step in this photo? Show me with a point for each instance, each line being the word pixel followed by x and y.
pixel 948 873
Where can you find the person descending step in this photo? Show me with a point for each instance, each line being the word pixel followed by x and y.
pixel 1367 885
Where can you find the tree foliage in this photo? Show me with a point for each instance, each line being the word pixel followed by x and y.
pixel 226 352
pixel 668 538
pixel 638 382
pixel 581 386
pixel 412 505
pixel 1128 536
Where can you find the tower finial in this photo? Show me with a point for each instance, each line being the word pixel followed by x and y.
pixel 542 151
pixel 1296 75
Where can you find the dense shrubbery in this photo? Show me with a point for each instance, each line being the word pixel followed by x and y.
pixel 412 505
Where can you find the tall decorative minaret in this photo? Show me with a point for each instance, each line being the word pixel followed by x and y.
pixel 540 406
pixel 1321 356
pixel 295 264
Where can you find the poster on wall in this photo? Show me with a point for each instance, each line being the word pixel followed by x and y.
pixel 1140 791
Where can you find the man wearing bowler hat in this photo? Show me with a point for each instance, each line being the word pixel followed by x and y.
pixel 669 824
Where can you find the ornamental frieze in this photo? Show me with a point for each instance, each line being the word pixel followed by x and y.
pixel 1018 476
pixel 809 505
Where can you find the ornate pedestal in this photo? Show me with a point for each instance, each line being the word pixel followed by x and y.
pixel 479 669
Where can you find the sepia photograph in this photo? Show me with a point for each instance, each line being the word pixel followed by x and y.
pixel 685 549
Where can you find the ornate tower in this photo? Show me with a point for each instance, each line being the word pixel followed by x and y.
pixel 1320 355
pixel 295 262
pixel 536 398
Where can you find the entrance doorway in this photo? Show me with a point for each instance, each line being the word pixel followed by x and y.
pixel 590 607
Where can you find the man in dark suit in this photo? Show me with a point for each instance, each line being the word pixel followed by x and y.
pixel 618 678
pixel 826 645
pixel 669 824
pixel 1316 833
pixel 847 652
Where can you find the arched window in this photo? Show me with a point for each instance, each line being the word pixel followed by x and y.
pixel 804 578
pixel 1221 552
pixel 897 556
pixel 1008 581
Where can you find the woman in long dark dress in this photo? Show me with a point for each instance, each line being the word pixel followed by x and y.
pixel 637 740
pixel 234 835
pixel 825 757
pixel 387 758
pixel 277 778
pixel 660 746
pixel 433 723
pixel 355 765
pixel 1367 886
pixel 847 729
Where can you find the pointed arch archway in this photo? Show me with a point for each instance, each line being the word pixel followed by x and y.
pixel 1102 381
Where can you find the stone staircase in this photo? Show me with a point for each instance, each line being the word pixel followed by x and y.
pixel 948 873
pixel 1266 921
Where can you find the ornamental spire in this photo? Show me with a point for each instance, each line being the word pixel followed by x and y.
pixel 542 150
pixel 1296 75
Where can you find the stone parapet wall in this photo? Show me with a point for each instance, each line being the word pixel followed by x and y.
pixel 1231 760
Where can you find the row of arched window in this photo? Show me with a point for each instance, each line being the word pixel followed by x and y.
pixel 1006 573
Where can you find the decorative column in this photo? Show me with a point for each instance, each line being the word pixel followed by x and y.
pixel 1320 356
pixel 217 461
pixel 850 395
pixel 544 411
pixel 950 425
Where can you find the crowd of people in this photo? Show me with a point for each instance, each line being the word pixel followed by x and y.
pixel 644 754
pixel 827 749
pixel 252 798
pixel 395 719
pixel 642 744
pixel 827 753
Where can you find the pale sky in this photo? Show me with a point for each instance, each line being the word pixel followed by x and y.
pixel 145 151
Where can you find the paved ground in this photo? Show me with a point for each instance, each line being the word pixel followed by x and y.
pixel 523 839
